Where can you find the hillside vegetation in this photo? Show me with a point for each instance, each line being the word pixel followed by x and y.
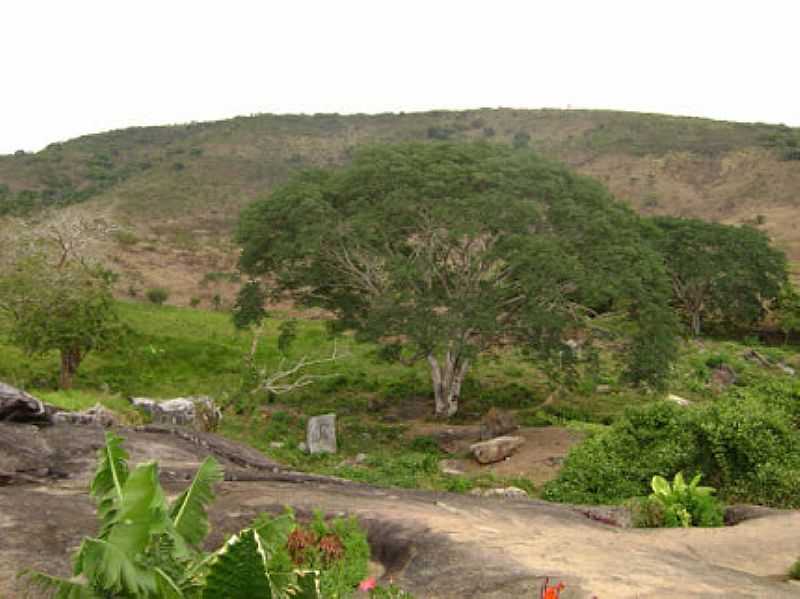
pixel 176 190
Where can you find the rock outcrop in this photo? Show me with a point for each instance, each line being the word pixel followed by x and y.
pixel 18 406
pixel 197 412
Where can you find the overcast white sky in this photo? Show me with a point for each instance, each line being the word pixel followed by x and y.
pixel 84 66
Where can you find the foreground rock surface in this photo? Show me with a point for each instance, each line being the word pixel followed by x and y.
pixel 495 450
pixel 438 546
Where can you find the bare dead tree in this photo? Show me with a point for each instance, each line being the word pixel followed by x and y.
pixel 289 376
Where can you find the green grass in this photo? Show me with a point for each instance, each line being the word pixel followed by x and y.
pixel 174 351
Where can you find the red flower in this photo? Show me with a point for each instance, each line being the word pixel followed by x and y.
pixel 367 584
pixel 553 592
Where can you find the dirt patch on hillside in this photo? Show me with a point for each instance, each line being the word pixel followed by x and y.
pixel 539 459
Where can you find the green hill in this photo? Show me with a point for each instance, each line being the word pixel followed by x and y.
pixel 177 189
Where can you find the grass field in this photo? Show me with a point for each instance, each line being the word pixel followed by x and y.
pixel 179 351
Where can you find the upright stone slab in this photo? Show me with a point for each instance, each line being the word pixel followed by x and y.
pixel 321 434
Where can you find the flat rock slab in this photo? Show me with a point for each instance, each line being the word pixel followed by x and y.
pixel 438 546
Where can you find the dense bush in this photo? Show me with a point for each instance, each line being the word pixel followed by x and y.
pixel 157 295
pixel 746 444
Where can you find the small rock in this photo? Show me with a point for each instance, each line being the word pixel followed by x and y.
pixel 321 434
pixel 495 450
pixel 361 458
pixel 451 467
pixel 97 415
pixel 678 400
pixel 302 447
pixel 496 423
pixel 510 492
pixel 603 389
pixel 787 369
pixel 276 445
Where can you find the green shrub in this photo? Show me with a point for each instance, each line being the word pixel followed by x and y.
pixel 794 573
pixel 521 139
pixel 679 505
pixel 157 295
pixel 746 444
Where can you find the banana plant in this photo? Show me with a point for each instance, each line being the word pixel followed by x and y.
pixel 147 548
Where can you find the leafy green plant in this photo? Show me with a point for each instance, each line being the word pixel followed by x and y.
pixel 148 548
pixel 680 504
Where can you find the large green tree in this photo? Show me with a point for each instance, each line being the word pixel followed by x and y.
pixel 719 272
pixel 443 251
pixel 66 307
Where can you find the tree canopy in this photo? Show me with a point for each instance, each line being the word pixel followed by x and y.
pixel 719 272
pixel 442 251
pixel 69 309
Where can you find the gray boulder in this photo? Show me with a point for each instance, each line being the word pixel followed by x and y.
pixel 496 450
pixel 18 406
pixel 321 434
pixel 197 412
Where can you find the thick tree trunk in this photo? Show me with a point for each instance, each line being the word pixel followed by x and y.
pixel 70 360
pixel 447 379
pixel 696 323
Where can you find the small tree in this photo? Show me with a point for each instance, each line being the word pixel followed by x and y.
pixel 67 308
pixel 443 251
pixel 719 272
